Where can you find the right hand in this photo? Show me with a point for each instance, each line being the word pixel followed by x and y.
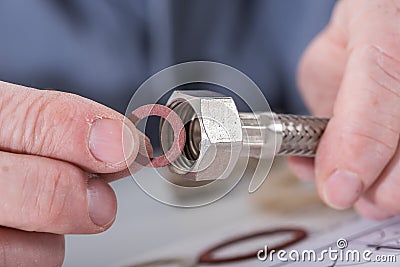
pixel 351 73
pixel 50 144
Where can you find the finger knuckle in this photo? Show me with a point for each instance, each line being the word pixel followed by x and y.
pixel 361 141
pixel 382 69
pixel 43 122
pixel 46 201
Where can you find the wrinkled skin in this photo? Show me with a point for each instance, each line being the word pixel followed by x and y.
pixel 51 142
pixel 351 72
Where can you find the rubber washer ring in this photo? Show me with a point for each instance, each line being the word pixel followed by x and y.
pixel 177 125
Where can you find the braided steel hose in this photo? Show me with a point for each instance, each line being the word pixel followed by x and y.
pixel 267 134
pixel 300 134
pixel 217 134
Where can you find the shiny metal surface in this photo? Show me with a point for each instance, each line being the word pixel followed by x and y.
pixel 259 134
pixel 217 134
pixel 214 134
pixel 300 134
pixel 294 135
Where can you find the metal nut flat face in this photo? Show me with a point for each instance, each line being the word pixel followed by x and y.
pixel 220 131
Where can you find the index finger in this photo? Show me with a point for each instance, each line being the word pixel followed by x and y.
pixel 66 127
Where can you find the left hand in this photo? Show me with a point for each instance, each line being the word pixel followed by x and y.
pixel 351 73
pixel 51 144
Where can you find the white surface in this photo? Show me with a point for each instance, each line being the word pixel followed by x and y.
pixel 144 225
pixel 146 229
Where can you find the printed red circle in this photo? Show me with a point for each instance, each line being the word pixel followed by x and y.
pixel 208 256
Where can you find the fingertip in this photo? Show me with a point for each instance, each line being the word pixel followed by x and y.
pixel 371 211
pixel 342 189
pixel 102 203
pixel 113 142
pixel 131 142
pixel 344 167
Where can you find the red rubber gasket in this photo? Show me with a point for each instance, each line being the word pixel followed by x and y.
pixel 208 256
pixel 177 125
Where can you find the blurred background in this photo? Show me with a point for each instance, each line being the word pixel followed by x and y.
pixel 104 50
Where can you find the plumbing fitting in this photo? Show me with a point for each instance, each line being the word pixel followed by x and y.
pixel 217 134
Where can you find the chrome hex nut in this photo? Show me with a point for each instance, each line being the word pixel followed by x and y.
pixel 213 135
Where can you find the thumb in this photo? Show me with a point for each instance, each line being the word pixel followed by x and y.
pixel 363 133
pixel 65 127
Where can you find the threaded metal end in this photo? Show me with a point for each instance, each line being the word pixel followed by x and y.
pixel 191 150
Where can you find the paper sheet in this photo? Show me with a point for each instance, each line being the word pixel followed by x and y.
pixel 382 239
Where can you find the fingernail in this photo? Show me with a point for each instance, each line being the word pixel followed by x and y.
pixel 105 141
pixel 342 189
pixel 102 203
